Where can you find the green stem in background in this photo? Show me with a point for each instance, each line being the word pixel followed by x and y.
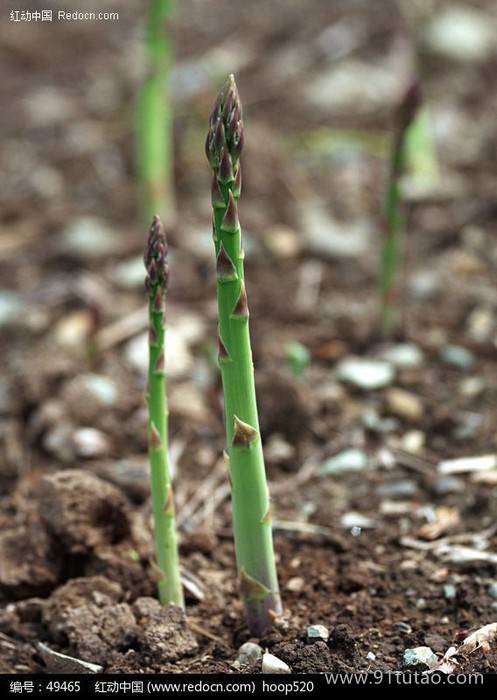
pixel 167 566
pixel 155 158
pixel 395 224
pixel 251 505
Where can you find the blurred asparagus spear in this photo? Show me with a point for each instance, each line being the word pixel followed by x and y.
pixel 155 159
pixel 167 566
pixel 395 224
pixel 250 497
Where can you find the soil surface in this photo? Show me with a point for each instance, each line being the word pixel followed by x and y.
pixel 377 539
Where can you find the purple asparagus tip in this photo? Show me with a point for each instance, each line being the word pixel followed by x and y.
pixel 409 105
pixel 155 257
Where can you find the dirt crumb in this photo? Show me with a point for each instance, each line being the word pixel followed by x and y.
pixel 164 634
pixel 29 564
pixel 82 511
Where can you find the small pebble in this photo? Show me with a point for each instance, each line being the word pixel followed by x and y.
pixel 130 273
pixel 88 238
pixel 11 306
pixel 404 356
pixel 421 603
pixel 58 442
pixel 423 285
pixel 352 460
pixel 494 605
pixel 271 664
pixel 74 329
pixel 448 484
pixel 413 441
pixel 179 360
pixel 419 655
pixel 450 591
pixel 462 33
pixel 366 373
pixel 404 404
pixel 370 656
pixel 295 584
pixel 481 324
pixel 457 356
pixel 356 520
pixel 318 632
pixel 492 589
pixel 401 488
pixel 471 387
pixel 404 627
pixel 248 653
pixel 90 443
pixel 372 421
pixel 102 388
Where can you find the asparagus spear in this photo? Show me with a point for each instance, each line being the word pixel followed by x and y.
pixel 394 216
pixel 167 567
pixel 155 117
pixel 251 505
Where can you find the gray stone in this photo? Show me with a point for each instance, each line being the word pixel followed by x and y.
pixel 450 591
pixel 130 273
pixel 87 238
pixel 248 653
pixel 331 239
pixel 492 589
pixel 61 663
pixel 87 396
pixel 11 305
pixel 457 356
pixel 400 488
pixel 423 285
pixel 352 460
pixel 417 656
pixel 353 85
pixel 372 420
pixel 366 373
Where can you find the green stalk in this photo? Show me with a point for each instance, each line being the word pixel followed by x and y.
pixel 155 119
pixel 167 567
pixel 395 224
pixel 251 505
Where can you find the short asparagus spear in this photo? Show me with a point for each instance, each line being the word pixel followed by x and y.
pixel 394 216
pixel 167 567
pixel 250 497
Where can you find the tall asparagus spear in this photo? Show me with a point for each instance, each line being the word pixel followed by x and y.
pixel 155 116
pixel 394 215
pixel 250 497
pixel 167 568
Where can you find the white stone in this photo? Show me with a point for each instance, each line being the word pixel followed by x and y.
pixel 271 664
pixel 352 460
pixel 318 632
pixel 419 655
pixel 463 34
pixel 404 355
pixel 366 373
pixel 356 520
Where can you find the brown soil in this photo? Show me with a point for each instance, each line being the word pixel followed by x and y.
pixel 415 565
